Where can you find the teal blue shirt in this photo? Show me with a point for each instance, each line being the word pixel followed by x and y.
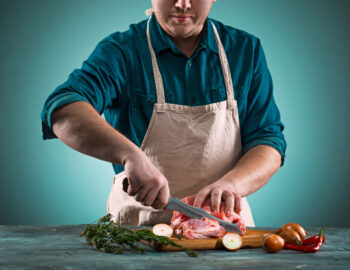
pixel 117 80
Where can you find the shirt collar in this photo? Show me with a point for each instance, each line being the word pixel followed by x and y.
pixel 208 37
pixel 161 41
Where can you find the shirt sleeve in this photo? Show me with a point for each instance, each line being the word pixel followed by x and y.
pixel 99 82
pixel 262 125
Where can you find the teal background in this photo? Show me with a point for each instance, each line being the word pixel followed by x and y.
pixel 307 50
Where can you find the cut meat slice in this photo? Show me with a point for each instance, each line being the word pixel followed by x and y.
pixel 200 228
pixel 203 228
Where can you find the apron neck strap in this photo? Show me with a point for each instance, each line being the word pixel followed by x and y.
pixel 157 76
pixel 224 65
pixel 225 69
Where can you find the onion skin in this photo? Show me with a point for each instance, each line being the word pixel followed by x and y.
pixel 291 237
pixel 296 227
pixel 273 243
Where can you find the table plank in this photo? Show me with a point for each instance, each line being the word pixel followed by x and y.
pixel 61 247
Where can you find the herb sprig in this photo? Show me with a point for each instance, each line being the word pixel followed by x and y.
pixel 107 236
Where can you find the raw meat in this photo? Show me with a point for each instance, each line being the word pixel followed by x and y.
pixel 191 228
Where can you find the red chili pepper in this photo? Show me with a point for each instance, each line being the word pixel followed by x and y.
pixel 316 242
pixel 311 240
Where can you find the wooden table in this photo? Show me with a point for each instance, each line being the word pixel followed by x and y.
pixel 61 247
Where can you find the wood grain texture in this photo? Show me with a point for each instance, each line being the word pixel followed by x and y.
pixel 252 239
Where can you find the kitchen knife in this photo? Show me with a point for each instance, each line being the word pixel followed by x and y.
pixel 192 212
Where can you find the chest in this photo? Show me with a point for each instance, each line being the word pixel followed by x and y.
pixel 187 81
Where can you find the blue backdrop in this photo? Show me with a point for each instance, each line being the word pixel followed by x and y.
pixel 307 49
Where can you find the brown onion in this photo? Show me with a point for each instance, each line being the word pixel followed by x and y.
pixel 295 227
pixel 290 236
pixel 273 243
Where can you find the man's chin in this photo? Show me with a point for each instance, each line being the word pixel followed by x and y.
pixel 181 32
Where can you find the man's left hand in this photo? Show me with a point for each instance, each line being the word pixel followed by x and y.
pixel 221 190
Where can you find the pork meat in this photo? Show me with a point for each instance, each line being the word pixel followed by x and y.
pixel 191 228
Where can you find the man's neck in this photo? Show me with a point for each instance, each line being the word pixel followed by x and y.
pixel 187 45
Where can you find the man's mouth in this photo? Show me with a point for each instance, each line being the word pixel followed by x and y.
pixel 181 17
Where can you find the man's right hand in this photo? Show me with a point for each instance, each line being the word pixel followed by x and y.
pixel 146 183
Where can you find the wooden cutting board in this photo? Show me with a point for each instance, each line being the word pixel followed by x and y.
pixel 252 239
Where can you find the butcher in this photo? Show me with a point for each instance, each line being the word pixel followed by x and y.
pixel 180 104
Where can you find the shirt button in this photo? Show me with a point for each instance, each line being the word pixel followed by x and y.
pixel 189 63
pixel 193 100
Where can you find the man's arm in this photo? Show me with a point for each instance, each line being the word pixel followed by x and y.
pixel 252 172
pixel 263 143
pixel 255 169
pixel 80 126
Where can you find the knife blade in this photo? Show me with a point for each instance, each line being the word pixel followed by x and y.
pixel 191 211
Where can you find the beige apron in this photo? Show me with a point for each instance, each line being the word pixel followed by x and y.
pixel 193 146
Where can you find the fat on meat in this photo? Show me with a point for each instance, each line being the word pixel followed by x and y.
pixel 191 228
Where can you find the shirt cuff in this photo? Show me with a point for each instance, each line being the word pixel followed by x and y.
pixel 60 101
pixel 275 142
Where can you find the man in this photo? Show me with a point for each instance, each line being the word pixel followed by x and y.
pixel 189 110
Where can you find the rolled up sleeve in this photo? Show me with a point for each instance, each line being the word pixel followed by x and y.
pixel 99 82
pixel 262 125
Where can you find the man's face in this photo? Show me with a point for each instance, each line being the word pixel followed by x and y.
pixel 182 18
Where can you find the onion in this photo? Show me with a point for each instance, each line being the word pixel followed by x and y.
pixel 162 230
pixel 295 227
pixel 232 241
pixel 273 243
pixel 290 236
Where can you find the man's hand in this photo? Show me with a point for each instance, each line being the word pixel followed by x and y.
pixel 221 190
pixel 251 172
pixel 146 182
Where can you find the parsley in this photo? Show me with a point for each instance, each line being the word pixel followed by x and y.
pixel 107 236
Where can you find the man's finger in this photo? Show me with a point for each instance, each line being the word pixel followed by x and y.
pixel 200 197
pixel 157 204
pixel 140 195
pixel 215 200
pixel 238 203
pixel 151 196
pixel 229 202
pixel 162 198
pixel 133 189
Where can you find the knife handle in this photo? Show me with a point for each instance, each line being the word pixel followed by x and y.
pixel 125 184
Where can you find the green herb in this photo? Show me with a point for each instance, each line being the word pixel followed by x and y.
pixel 178 236
pixel 107 236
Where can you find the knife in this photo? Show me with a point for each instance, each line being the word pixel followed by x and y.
pixel 192 212
pixel 198 213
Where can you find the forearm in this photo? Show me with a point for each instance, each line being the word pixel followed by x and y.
pixel 254 169
pixel 79 126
